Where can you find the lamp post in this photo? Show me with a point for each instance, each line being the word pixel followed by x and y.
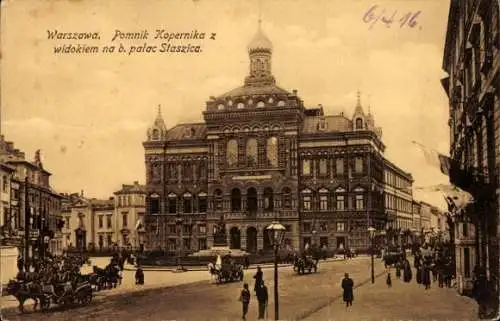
pixel 178 223
pixel 276 235
pixel 371 230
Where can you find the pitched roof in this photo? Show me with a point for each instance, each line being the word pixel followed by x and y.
pixel 337 123
pixel 132 188
pixel 187 131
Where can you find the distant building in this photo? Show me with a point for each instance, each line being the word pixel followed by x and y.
pixel 102 224
pixel 261 155
pixel 417 221
pixel 130 211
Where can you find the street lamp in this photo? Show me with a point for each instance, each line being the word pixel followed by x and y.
pixel 276 235
pixel 178 223
pixel 371 230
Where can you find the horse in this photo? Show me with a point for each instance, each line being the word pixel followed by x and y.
pixel 24 291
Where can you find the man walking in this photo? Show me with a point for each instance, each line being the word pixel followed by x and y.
pixel 262 298
pixel 245 300
pixel 347 286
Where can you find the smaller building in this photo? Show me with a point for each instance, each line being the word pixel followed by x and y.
pixel 130 211
pixel 7 223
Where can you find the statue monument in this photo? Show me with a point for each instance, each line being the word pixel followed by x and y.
pixel 220 237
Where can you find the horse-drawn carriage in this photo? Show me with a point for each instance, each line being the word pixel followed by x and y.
pixel 64 293
pixel 106 278
pixel 393 256
pixel 227 272
pixel 305 263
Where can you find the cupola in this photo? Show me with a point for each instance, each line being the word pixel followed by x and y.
pixel 359 118
pixel 158 130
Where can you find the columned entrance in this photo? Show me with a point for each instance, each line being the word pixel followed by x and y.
pixel 252 239
pixel 235 238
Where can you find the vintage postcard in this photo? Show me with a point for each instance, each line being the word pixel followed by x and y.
pixel 249 159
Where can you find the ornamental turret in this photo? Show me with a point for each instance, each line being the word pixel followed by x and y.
pixel 158 131
pixel 260 51
pixel 359 118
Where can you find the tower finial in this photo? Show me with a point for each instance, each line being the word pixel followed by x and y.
pixel 159 110
pixel 358 98
pixel 369 104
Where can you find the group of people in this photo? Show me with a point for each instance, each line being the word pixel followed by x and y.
pixel 261 293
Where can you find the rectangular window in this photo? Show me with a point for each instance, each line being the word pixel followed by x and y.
pixel 307 227
pixel 323 241
pixel 188 205
pixel 124 220
pixel 306 167
pixel 465 229
pixel 108 219
pixel 171 245
pixel 202 229
pixel 110 240
pixel 307 203
pixel 67 223
pixel 172 229
pixel 323 167
pixel 187 244
pixel 360 202
pixel 172 205
pixel 466 262
pixel 101 221
pixel 202 244
pixel 202 204
pixel 339 166
pixel 101 240
pixel 5 184
pixel 186 229
pixel 323 227
pixel 340 227
pixel 323 202
pixel 358 165
pixel 340 204
pixel 307 241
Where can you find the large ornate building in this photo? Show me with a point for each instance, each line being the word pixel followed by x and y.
pixel 261 155
pixel 472 61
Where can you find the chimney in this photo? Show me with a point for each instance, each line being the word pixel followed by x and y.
pixel 294 92
pixel 136 182
pixel 81 193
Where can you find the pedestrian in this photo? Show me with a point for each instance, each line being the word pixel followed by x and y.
pixel 262 298
pixel 389 281
pixel 245 300
pixel 259 277
pixel 139 276
pixel 247 262
pixel 407 275
pixel 347 286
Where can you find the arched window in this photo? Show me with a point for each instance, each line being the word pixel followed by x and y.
pixel 359 198
pixel 202 202
pixel 232 152
pixel 281 103
pixel 235 200
pixel 188 203
pixel 268 199
pixel 252 200
pixel 306 199
pixel 261 104
pixel 286 198
pixel 220 106
pixel 172 203
pixel 252 154
pixel 340 199
pixel 218 206
pixel 240 105
pixel 359 123
pixel 272 151
pixel 323 199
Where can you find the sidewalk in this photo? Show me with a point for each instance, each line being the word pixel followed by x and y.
pixel 404 301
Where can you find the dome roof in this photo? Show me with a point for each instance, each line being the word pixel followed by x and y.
pixel 260 42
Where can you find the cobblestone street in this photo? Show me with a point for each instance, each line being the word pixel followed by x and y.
pixel 403 301
pixel 301 297
pixel 206 301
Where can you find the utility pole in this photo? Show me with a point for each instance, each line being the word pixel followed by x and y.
pixel 27 217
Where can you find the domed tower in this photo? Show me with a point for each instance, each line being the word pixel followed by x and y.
pixel 260 51
pixel 159 129
pixel 359 118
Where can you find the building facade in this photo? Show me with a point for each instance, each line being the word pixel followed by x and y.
pixel 35 208
pixel 130 211
pixel 261 155
pixel 471 60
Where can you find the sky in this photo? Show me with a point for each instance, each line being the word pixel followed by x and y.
pixel 89 113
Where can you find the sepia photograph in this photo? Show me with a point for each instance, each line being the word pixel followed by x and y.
pixel 249 160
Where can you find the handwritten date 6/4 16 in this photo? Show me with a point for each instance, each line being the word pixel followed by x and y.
pixel 380 15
